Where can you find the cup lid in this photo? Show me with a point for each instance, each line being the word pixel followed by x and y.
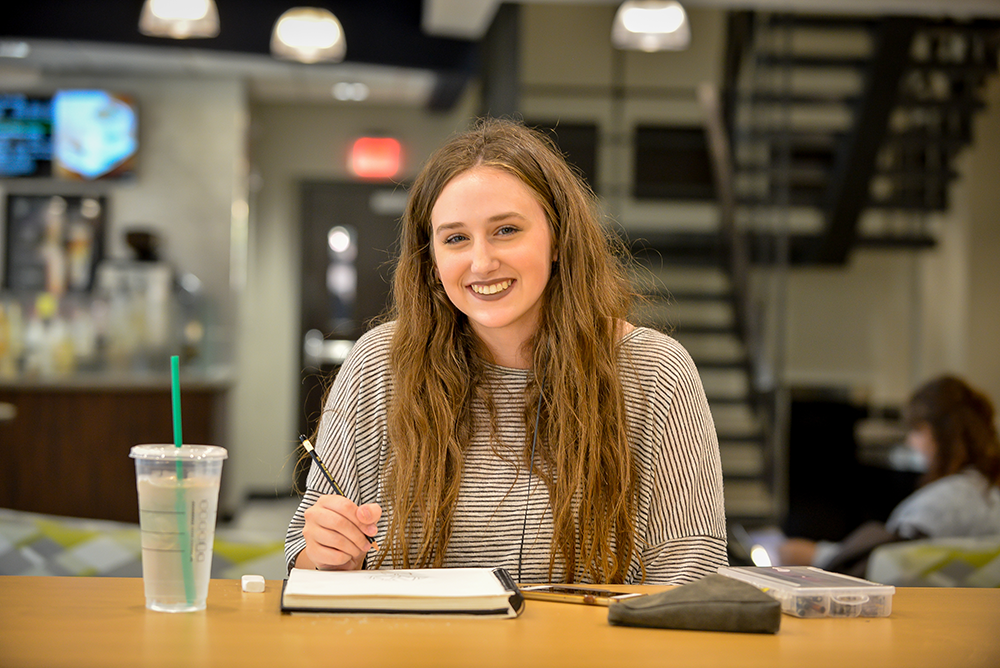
pixel 169 452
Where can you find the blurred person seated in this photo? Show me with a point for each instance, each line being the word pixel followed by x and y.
pixel 951 426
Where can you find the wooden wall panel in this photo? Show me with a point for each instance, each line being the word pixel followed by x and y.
pixel 66 451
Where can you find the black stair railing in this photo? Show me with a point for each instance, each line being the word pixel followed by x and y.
pixel 736 260
pixel 847 193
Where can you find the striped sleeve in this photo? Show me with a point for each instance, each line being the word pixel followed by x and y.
pixel 685 531
pixel 351 433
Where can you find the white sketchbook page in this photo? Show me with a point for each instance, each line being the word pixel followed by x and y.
pixel 422 583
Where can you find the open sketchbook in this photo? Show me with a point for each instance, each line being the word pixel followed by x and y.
pixel 436 591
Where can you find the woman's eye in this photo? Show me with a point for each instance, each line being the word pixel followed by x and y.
pixel 454 238
pixel 507 229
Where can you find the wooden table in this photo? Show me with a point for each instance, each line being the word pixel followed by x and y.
pixel 67 621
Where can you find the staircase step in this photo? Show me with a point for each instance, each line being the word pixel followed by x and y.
pixel 906 176
pixel 686 280
pixel 826 22
pixel 960 104
pixel 703 330
pixel 922 138
pixel 795 137
pixel 801 171
pixel 751 438
pixel 741 460
pixel 905 201
pixel 685 297
pixel 818 98
pixel 806 117
pixel 814 82
pixel 714 313
pixel 748 499
pixel 688 250
pixel 725 347
pixel 714 401
pixel 734 420
pixel 737 365
pixel 796 197
pixel 955 70
pixel 811 61
pixel 728 383
pixel 981 28
pixel 911 202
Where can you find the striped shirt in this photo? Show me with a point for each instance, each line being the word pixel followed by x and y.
pixel 680 522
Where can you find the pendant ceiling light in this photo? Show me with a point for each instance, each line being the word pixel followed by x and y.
pixel 651 25
pixel 179 19
pixel 308 35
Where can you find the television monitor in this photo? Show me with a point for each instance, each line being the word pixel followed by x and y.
pixel 94 135
pixel 25 135
pixel 77 135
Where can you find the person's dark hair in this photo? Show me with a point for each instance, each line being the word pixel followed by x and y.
pixel 439 369
pixel 961 420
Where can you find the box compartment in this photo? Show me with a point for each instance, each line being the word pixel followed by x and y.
pixel 806 591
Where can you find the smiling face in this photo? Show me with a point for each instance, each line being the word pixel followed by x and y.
pixel 493 252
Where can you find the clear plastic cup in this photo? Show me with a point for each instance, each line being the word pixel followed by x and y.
pixel 178 503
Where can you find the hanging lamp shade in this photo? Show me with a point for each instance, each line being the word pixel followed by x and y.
pixel 308 35
pixel 651 25
pixel 179 19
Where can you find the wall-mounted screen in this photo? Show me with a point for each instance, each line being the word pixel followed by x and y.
pixel 25 135
pixel 94 135
pixel 77 135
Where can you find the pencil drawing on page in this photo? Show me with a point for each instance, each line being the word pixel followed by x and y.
pixel 394 576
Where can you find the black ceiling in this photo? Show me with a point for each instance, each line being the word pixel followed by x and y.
pixel 383 32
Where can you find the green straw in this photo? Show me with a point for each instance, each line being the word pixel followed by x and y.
pixel 179 503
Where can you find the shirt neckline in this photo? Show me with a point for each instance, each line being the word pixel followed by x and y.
pixel 511 371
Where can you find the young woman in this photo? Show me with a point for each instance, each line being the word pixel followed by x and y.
pixel 951 425
pixel 507 415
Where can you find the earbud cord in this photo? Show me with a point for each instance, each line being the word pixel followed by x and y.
pixel 531 466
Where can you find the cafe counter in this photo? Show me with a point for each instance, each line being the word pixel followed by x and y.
pixel 65 441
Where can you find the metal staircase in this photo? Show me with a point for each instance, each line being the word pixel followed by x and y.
pixel 832 133
pixel 837 133
pixel 851 126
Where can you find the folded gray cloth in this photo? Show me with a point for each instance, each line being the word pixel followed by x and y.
pixel 713 603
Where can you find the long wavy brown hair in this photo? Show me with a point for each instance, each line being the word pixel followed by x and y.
pixel 439 368
pixel 961 419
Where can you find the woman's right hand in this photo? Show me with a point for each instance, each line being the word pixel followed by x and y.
pixel 336 532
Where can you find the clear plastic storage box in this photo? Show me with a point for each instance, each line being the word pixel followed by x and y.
pixel 805 591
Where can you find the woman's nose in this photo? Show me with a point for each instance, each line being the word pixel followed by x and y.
pixel 484 259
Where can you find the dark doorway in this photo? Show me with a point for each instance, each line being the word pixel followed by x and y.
pixel 349 239
pixel 831 491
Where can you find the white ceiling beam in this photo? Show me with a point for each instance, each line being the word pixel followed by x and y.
pixel 460 19
pixel 932 8
pixel 470 19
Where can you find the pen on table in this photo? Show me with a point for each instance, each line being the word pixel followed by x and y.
pixel 322 467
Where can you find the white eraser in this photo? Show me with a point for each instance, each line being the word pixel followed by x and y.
pixel 253 583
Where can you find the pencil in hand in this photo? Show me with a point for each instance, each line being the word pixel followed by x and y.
pixel 326 473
